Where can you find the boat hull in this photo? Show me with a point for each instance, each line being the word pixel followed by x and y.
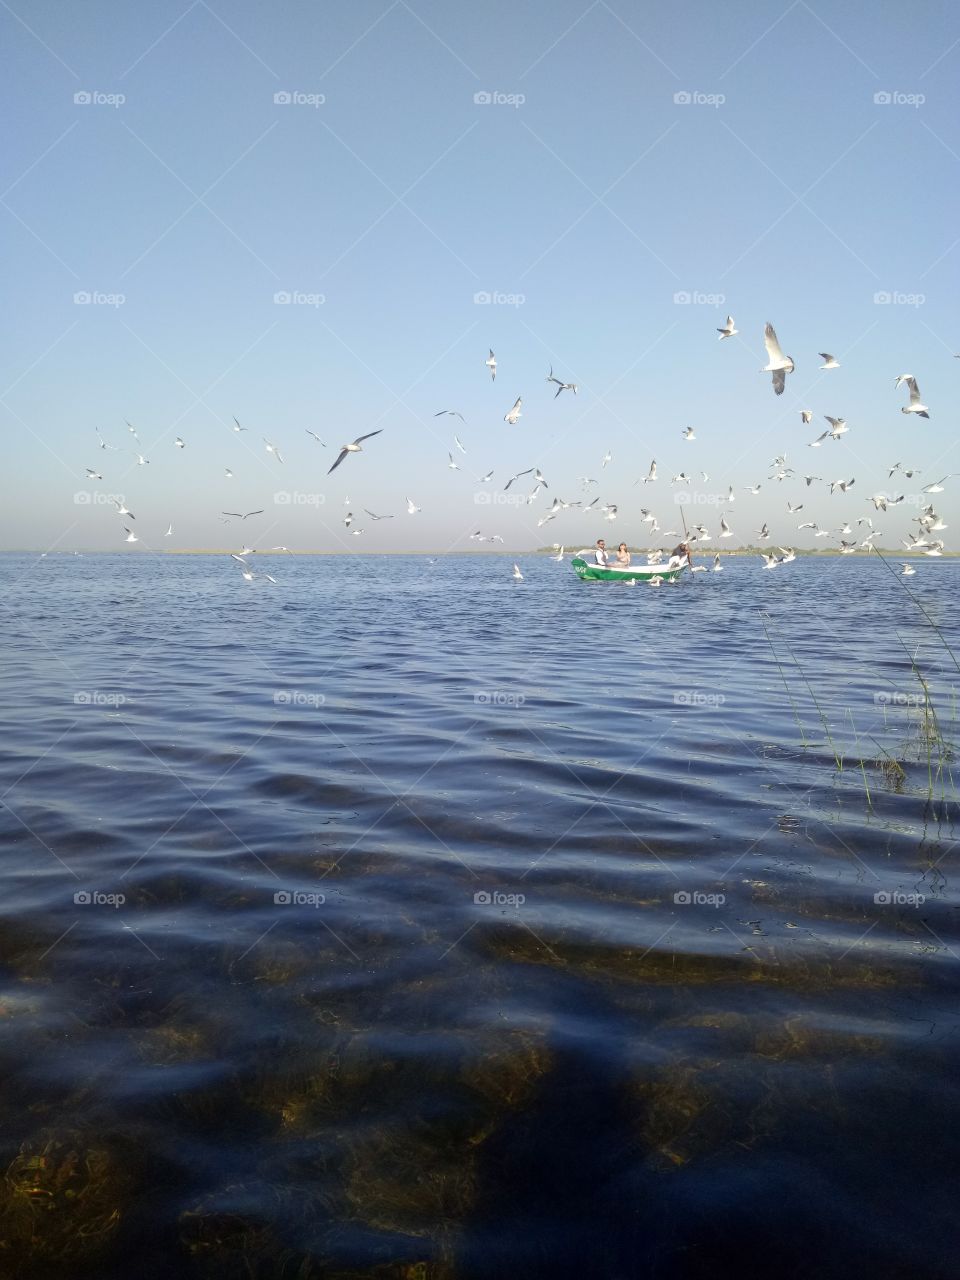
pixel 635 573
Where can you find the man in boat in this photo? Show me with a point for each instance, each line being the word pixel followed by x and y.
pixel 601 553
pixel 681 553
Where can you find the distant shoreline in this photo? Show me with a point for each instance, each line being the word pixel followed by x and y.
pixel 698 554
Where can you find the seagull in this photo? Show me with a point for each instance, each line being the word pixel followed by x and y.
pixel 528 471
pixel 242 515
pixel 354 447
pixel 122 509
pixel 725 530
pixel 484 479
pixel 228 473
pixel 777 364
pixel 237 426
pixel 348 519
pixel 559 556
pixel 806 416
pixel 770 559
pixel 517 575
pixel 453 413
pixel 169 532
pixel 728 329
pixel 914 406
pixel 93 475
pixel 539 478
pixel 847 548
pixel 681 478
pixel 731 496
pixel 688 434
pixel 829 362
pixel 491 363
pixel 791 508
pixel 611 511
pixel 937 486
pixel 607 457
pixel 842 485
pixel 133 431
pixel 454 466
pixel 375 517
pixel 717 566
pixel 142 461
pixel 810 479
pixel 315 436
pixel 788 555
pixel 179 443
pixel 459 443
pixel 103 443
pixel 412 508
pixel 356 532
pixel 751 488
pixel 651 474
pixel 764 533
pixel 514 413
pixel 131 536
pixel 838 426
pixel 907 570
pixel 272 448
pixel 566 386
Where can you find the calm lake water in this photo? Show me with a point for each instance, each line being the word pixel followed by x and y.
pixel 401 920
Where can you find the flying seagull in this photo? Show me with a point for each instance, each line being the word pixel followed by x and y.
pixel 376 517
pixel 412 507
pixel 354 447
pixel 914 406
pixel 315 436
pixel 514 413
pixel 777 364
pixel 728 329
pixel 272 448
pixel 242 515
pixel 829 362
pixel 451 412
pixel 491 363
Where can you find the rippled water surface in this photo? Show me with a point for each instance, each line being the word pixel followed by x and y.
pixel 398 919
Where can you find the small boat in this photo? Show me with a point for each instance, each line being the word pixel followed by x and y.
pixel 633 573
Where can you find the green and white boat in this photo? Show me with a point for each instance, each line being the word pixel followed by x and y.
pixel 589 570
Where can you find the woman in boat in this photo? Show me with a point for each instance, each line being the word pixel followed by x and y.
pixel 623 556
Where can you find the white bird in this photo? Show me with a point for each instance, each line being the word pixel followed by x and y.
pixel 829 362
pixel 777 364
pixel 453 413
pixel 770 559
pixel 788 555
pixel 514 413
pixel 559 556
pixel 606 458
pixel 180 444
pixel 348 519
pixel 142 461
pixel 731 496
pixel 242 515
pixel 412 508
pixel 842 485
pixel 93 475
pixel 539 478
pixel 725 530
pixel 228 473
pixel 681 478
pixel 355 446
pixel 356 532
pixel 914 406
pixel 454 466
pixel 791 508
pixel 123 509
pixel 752 488
pixel 491 363
pixel 651 474
pixel 376 517
pixel 133 431
pixel 315 436
pixel 528 472
pixel 838 426
pixel 103 443
pixel 815 444
pixel 169 532
pixel 764 533
pixel 728 329
pixel 237 426
pixel 937 486
pixel 272 448
pixel 457 441
pixel 907 570
pixel 688 434
pixel 810 479
pixel 517 575
pixel 717 566
pixel 806 416
pixel 131 536
pixel 611 511
pixel 484 479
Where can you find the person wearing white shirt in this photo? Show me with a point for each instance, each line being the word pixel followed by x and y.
pixel 601 553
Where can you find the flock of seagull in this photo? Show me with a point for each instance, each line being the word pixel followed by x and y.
pixel 778 365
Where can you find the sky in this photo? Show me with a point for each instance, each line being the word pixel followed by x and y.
pixel 322 217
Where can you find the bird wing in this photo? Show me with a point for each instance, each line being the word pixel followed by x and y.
pixel 774 354
pixel 368 436
pixel 343 454
pixel 779 380
pixel 914 391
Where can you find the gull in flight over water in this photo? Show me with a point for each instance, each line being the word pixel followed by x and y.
pixel 717 566
pixel 355 446
pixel 907 570
pixel 375 517
pixel 179 443
pixel 123 509
pixel 688 434
pixel 237 426
pixel 914 406
pixel 169 533
pixel 484 479
pixel 728 330
pixel 412 507
pixel 272 448
pixel 459 443
pixel 491 363
pixel 454 466
pixel 559 556
pixel 829 361
pixel 131 536
pixel 777 364
pixel 806 416
pixel 514 413
pixel 725 530
pixel 242 515
pixel 528 472
pixel 93 475
pixel 517 575
pixel 453 413
pixel 315 436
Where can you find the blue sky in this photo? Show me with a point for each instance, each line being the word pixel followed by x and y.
pixel 584 197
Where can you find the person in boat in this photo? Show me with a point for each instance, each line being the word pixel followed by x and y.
pixel 601 553
pixel 623 557
pixel 681 550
